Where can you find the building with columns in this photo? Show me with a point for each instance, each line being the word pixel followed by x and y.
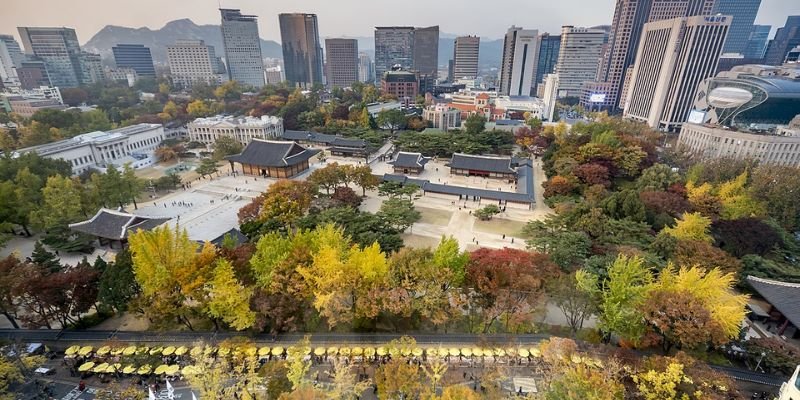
pixel 243 129
pixel 133 144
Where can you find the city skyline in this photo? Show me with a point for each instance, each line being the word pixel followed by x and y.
pixel 335 19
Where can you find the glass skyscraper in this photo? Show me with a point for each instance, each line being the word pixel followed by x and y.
pixel 786 38
pixel 302 53
pixel 60 51
pixel 242 48
pixel 547 57
pixel 743 13
pixel 136 57
pixel 757 43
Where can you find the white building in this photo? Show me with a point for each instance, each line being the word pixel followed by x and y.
pixel 127 75
pixel 274 75
pixel 192 61
pixel 519 57
pixel 514 107
pixel 366 69
pixel 38 93
pixel 550 96
pixel 578 58
pixel 674 57
pixel 133 144
pixel 780 147
pixel 442 116
pixel 243 129
pixel 790 390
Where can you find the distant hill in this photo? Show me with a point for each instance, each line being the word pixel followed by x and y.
pixel 158 40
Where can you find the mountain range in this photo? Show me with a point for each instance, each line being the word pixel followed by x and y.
pixel 158 40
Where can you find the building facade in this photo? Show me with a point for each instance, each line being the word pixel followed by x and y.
pixel 550 97
pixel 193 61
pixel 243 129
pixel 578 58
pixel 393 46
pixel 341 62
pixel 708 141
pixel 757 42
pixel 26 107
pixel 133 144
pixel 548 47
pixel 272 159
pixel 519 58
pixel 11 57
pixel 442 116
pixel 426 51
pixel 466 52
pixel 623 42
pixel 91 66
pixel 32 74
pixel 274 75
pixel 302 53
pixel 674 57
pixel 60 51
pixel 402 84
pixel 790 390
pixel 786 38
pixel 136 57
pixel 366 69
pixel 743 13
pixel 242 48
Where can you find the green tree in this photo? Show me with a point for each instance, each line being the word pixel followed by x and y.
pixel 328 177
pixel 449 256
pixel 487 212
pixel 60 206
pixel 118 284
pixel 399 213
pixel 620 296
pixel 691 226
pixel 565 247
pixel 394 119
pixel 229 300
pixel 207 166
pixel 198 108
pixel 475 124
pixel 226 146
pixel 658 177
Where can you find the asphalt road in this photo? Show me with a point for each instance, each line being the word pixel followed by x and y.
pixel 63 339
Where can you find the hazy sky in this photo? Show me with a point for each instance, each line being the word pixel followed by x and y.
pixel 489 19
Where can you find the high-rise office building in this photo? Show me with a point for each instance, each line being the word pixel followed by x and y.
pixel 242 47
pixel 136 57
pixel 757 41
pixel 193 61
pixel 626 29
pixel 547 49
pixel 519 57
pixel 11 57
pixel 341 62
pixel 673 58
pixel 426 50
pixel 466 51
pixel 366 69
pixel 60 51
pixel 33 74
pixel 410 48
pixel 394 45
pixel 578 57
pixel 786 38
pixel 743 13
pixel 302 53
pixel 91 68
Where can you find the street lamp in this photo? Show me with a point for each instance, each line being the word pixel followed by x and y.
pixel 759 361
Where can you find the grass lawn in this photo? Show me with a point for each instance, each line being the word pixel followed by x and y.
pixel 434 216
pixel 418 241
pixel 500 226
